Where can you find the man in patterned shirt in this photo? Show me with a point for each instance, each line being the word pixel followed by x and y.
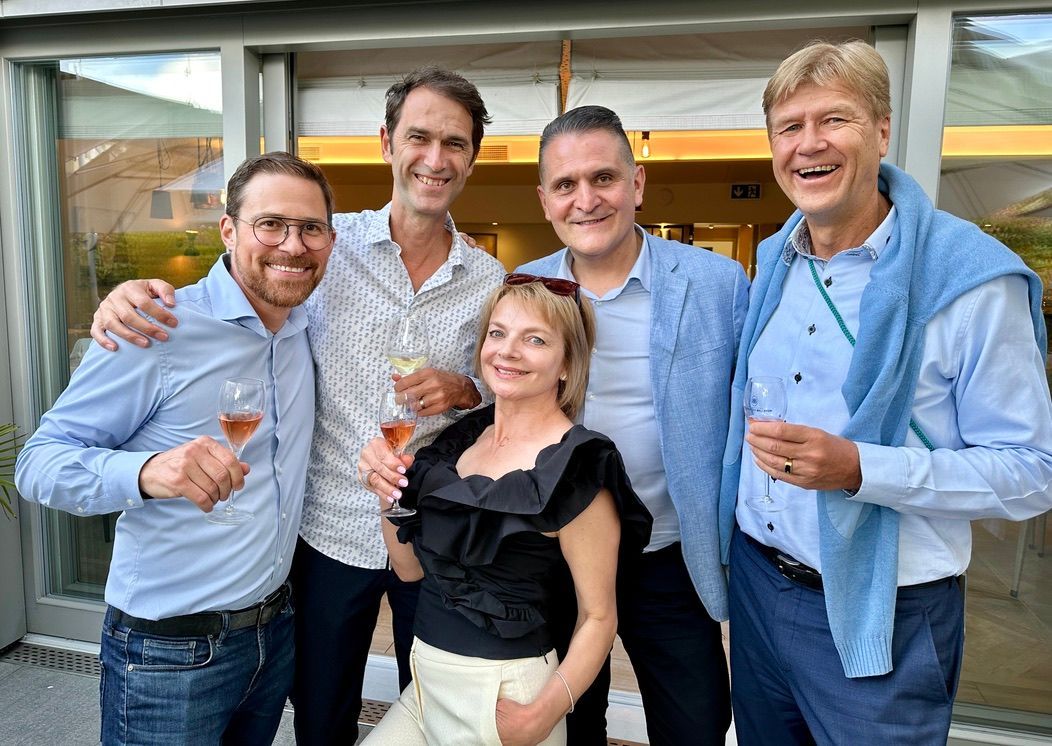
pixel 405 257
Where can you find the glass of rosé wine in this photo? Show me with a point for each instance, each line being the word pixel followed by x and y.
pixel 397 423
pixel 240 412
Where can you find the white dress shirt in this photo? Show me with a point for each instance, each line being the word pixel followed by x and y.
pixel 365 288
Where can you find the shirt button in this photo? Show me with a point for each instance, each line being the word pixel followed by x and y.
pixel 280 560
pixel 278 470
pixel 829 282
pixel 591 397
pixel 811 329
pixel 595 350
pixel 798 378
pixel 80 509
pixel 130 501
pixel 283 516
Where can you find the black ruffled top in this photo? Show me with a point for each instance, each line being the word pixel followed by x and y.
pixel 491 577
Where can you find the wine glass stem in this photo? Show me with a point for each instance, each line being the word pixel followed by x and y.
pixel 230 500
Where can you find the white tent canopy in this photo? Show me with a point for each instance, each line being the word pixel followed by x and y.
pixel 690 82
pixel 342 93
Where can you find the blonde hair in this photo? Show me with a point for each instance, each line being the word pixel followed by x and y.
pixel 575 325
pixel 855 64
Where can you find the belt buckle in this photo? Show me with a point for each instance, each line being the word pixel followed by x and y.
pixel 788 561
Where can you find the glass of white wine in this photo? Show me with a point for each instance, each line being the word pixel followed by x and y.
pixel 765 399
pixel 407 347
pixel 240 412
pixel 397 423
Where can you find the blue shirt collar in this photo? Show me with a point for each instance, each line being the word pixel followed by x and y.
pixel 641 269
pixel 799 241
pixel 230 304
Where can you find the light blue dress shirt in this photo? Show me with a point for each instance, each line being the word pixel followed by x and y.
pixel 982 399
pixel 619 401
pixel 122 408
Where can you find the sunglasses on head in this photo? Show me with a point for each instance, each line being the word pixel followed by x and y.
pixel 553 285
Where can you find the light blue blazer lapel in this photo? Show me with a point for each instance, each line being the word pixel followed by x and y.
pixel 668 292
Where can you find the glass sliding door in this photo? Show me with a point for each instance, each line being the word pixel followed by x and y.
pixel 997 172
pixel 123 178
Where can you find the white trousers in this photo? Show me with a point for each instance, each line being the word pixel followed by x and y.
pixel 452 700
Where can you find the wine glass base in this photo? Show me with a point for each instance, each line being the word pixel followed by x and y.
pixel 397 512
pixel 229 517
pixel 764 504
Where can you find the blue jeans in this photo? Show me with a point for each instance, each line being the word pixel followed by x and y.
pixel 789 684
pixel 229 688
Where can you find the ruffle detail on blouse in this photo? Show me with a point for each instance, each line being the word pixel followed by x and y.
pixel 469 519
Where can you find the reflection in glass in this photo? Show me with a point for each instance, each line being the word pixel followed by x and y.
pixel 128 156
pixel 996 173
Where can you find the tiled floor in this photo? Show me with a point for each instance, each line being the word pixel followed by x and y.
pixel 1009 660
pixel 1008 640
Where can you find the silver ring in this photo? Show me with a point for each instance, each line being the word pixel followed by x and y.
pixel 788 466
pixel 421 402
pixel 363 477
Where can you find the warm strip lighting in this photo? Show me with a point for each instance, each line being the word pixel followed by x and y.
pixel 1000 141
pixel 366 150
pixel 709 145
pixel 705 145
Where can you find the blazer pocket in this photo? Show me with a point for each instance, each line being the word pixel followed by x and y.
pixel 702 358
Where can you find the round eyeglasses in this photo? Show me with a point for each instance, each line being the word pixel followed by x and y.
pixel 272 231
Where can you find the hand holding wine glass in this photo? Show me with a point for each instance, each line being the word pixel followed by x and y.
pixel 765 399
pixel 407 347
pixel 397 423
pixel 240 413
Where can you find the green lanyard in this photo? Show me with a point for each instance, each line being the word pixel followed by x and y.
pixel 850 338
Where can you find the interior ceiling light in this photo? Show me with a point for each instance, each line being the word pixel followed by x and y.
pixel 645 151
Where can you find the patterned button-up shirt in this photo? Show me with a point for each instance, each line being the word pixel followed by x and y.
pixel 365 288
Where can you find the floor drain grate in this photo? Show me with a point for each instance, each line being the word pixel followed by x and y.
pixel 62 660
pixel 372 711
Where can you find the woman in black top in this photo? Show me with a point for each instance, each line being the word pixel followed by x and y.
pixel 509 498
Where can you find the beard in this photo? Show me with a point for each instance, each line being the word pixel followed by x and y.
pixel 278 292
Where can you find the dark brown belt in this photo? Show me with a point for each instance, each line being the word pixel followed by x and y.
pixel 796 571
pixel 208 622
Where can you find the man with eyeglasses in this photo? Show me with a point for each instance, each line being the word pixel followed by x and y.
pixel 197 638
pixel 668 319
pixel 406 257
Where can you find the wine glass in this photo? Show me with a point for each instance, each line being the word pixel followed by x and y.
pixel 407 346
pixel 765 399
pixel 240 412
pixel 397 423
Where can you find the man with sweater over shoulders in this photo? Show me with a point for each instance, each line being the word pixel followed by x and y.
pixel 912 347
pixel 668 320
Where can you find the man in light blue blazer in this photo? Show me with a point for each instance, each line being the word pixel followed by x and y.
pixel 669 319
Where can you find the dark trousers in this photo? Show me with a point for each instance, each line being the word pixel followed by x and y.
pixel 790 687
pixel 676 651
pixel 336 610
